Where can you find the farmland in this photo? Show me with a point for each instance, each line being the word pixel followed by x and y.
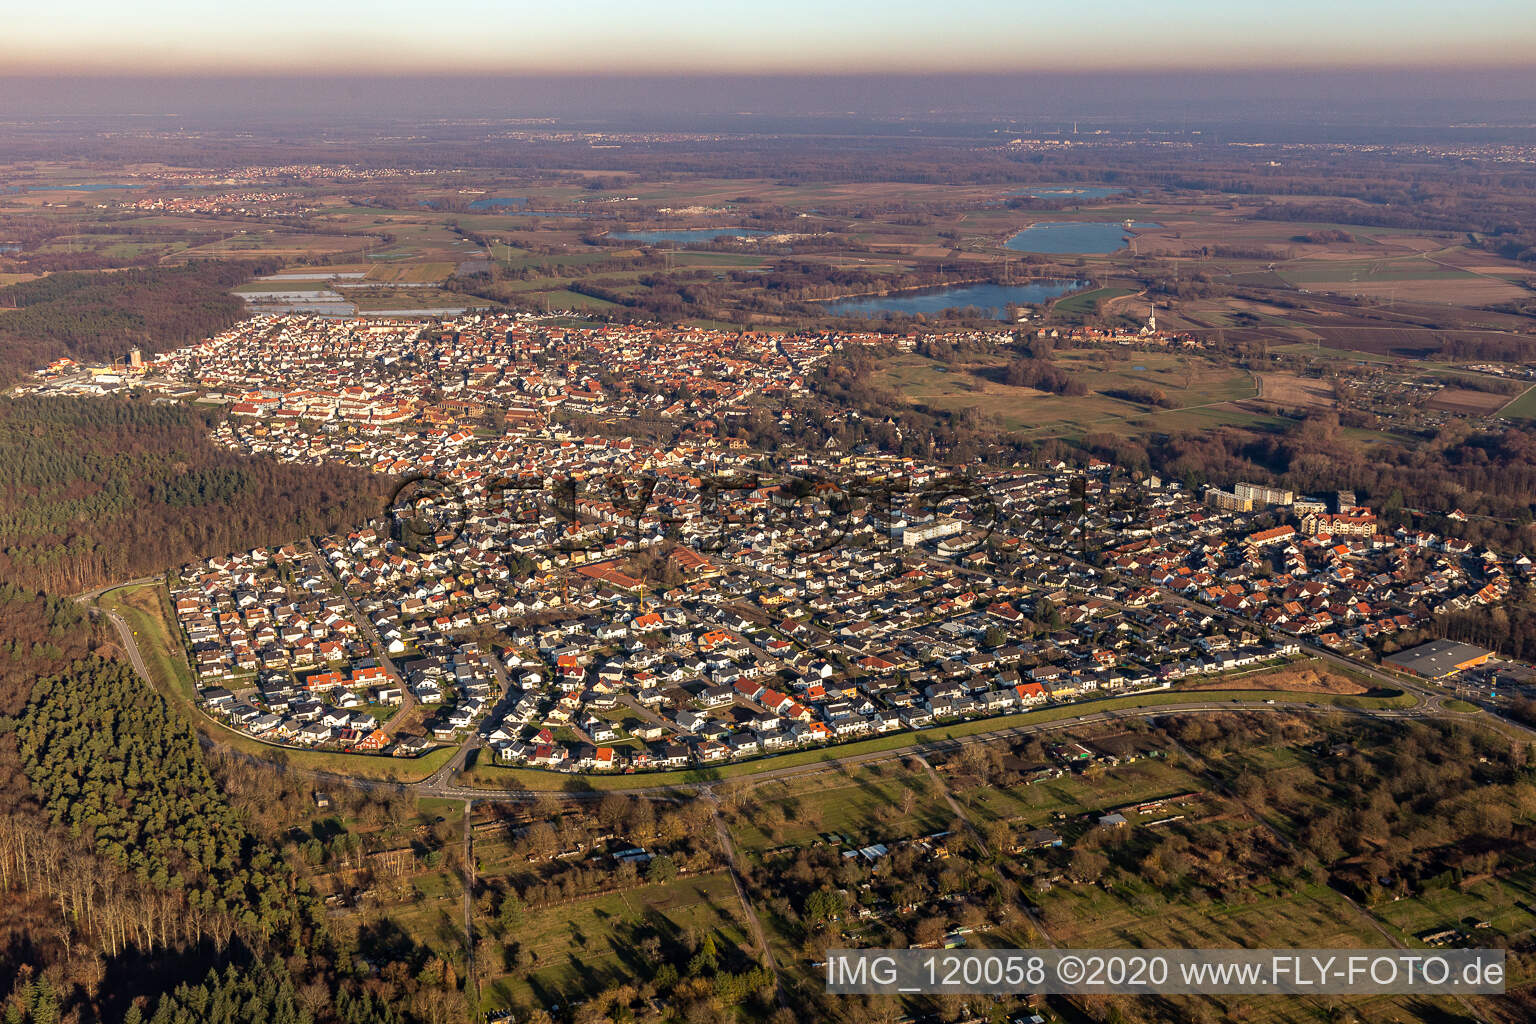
pixel 1192 384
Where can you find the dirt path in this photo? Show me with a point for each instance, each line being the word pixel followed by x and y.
pixel 965 819
pixel 754 923
pixel 472 981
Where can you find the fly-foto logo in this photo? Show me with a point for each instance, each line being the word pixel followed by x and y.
pixel 804 515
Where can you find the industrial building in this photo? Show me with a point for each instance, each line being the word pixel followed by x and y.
pixel 1439 658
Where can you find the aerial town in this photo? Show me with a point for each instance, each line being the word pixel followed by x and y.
pixel 575 603
pixel 743 514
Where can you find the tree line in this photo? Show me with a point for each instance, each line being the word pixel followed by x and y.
pixel 95 490
pixel 100 316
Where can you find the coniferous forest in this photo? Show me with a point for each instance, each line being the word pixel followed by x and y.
pixel 94 491
pixel 133 888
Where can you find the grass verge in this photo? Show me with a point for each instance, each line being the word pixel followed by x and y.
pixel 503 777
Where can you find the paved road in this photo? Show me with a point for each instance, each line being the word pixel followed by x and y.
pixel 439 785
pixel 371 635
pixel 129 644
pixel 1428 692
pixel 90 598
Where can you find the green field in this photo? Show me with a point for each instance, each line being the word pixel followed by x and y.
pixel 1503 903
pixel 493 776
pixel 264 286
pixel 146 610
pixel 1191 382
pixel 1086 303
pixel 1522 408
pixel 863 803
pixel 1137 782
pixel 587 944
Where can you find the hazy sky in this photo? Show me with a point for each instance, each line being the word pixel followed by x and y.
pixel 763 36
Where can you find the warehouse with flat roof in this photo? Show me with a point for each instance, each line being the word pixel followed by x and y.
pixel 1439 658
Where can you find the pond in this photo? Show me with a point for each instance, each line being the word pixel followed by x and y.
pixel 1074 237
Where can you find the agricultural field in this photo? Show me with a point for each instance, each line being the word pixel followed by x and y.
pixel 591 943
pixel 1199 389
pixel 409 273
pixel 1522 408
pixel 1468 401
pixel 256 244
pixel 1369 289
pixel 865 804
pixel 1291 391
pixel 270 286
pixel 1089 302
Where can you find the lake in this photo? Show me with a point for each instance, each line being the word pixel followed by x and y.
pixel 1073 237
pixel 497 202
pixel 1070 192
pixel 685 235
pixel 991 298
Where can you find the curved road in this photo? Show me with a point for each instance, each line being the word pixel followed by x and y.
pixel 129 643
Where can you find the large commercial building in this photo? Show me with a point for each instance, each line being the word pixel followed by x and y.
pixel 1439 658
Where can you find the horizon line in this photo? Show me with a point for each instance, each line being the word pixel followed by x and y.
pixel 195 72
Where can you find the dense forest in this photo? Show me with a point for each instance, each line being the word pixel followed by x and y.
pixel 102 315
pixel 94 490
pixel 135 887
pixel 115 767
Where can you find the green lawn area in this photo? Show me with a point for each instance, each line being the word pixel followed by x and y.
pixel 717 259
pixel 1504 903
pixel 1137 782
pixel 261 287
pixel 563 299
pixel 1131 915
pixel 864 803
pixel 1087 302
pixel 503 777
pixel 1134 914
pixel 589 943
pixel 437 920
pixel 1522 408
pixel 410 298
pixel 146 609
pixel 1188 381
